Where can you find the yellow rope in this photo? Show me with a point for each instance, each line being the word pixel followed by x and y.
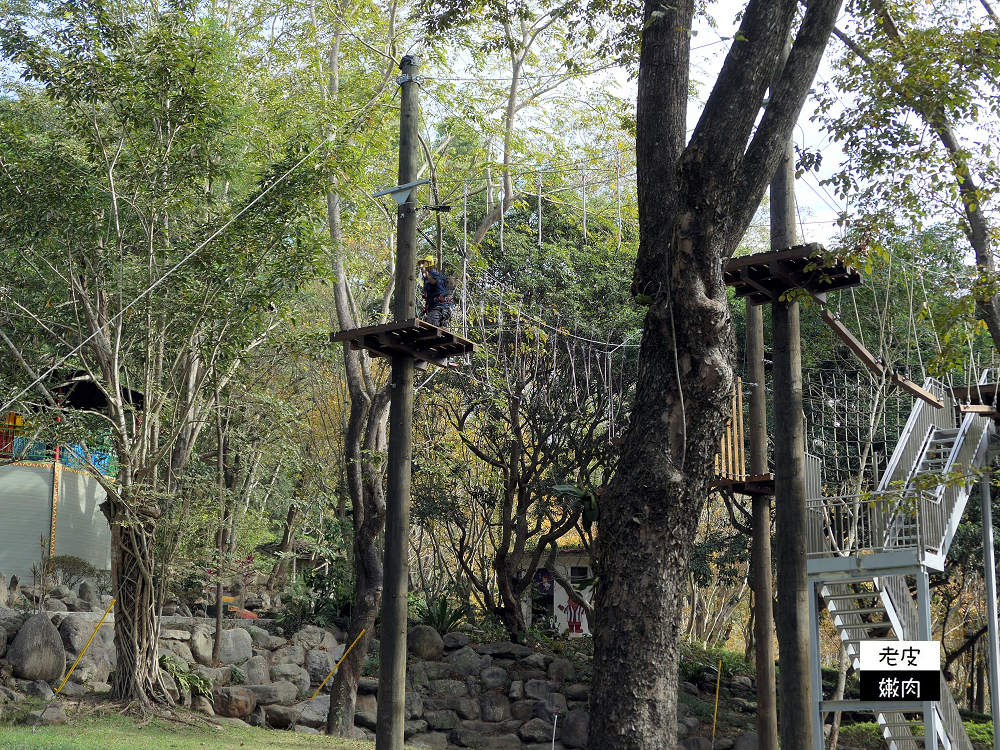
pixel 87 646
pixel 338 664
pixel 715 715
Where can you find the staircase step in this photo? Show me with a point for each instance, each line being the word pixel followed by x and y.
pixel 873 611
pixel 860 595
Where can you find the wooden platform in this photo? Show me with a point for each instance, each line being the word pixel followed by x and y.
pixel 765 276
pixel 762 484
pixel 977 399
pixel 416 338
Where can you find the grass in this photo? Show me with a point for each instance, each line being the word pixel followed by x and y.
pixel 868 736
pixel 111 730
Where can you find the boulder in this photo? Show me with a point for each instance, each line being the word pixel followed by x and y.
pixel 501 742
pixel 9 696
pixel 55 605
pixel 281 717
pixel 582 693
pixel 742 681
pixel 425 643
pixel 413 727
pixel 256 671
pixel 432 740
pixel 89 594
pixel 60 592
pixel 465 661
pixel 537 730
pixel 538 688
pixel 37 651
pixel 505 650
pixel 302 729
pixel 234 702
pixel 413 705
pixel 365 703
pixel 3 590
pixel 311 637
pixel 179 649
pixel 320 663
pixel 691 722
pixel 365 719
pixel 293 673
pixel 201 645
pixel 516 692
pixel 235 646
pixel 494 707
pixel 464 737
pixel 695 743
pixel 539 661
pixel 522 710
pixel 724 744
pixel 289 655
pixel 175 635
pixel 441 719
pixel 202 705
pixel 314 712
pixel 100 658
pixel 37 689
pixel 283 693
pixel 455 640
pixel 494 677
pixel 3 642
pixel 747 741
pixel 217 677
pixel 575 729
pixel 448 688
pixel 72 690
pixel 561 670
pixel 257 718
pixel 367 686
pixel 170 685
pixel 466 708
pixel 49 716
pixel 268 641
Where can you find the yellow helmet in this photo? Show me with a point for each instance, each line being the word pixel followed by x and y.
pixel 428 259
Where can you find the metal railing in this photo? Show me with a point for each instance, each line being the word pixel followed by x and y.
pixel 875 522
pixel 952 719
pixel 922 420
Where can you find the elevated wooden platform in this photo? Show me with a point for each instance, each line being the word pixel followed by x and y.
pixel 418 339
pixel 761 484
pixel 765 276
pixel 978 399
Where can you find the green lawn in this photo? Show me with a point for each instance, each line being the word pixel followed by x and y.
pixel 111 732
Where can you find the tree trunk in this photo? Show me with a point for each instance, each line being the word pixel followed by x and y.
pixel 694 206
pixel 287 542
pixel 136 676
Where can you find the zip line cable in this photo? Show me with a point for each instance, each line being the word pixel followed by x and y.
pixel 169 271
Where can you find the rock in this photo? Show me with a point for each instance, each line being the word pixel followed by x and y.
pixel 433 740
pixel 536 730
pixel 366 703
pixel 505 650
pixel 367 686
pixel 100 687
pixel 464 737
pixel 181 650
pixel 235 646
pixel 76 605
pixel 575 729
pixel 312 636
pixel 175 635
pixel 539 661
pixel 501 742
pixel 281 717
pixel 538 688
pixel 257 718
pixel 46 717
pixel 56 605
pixel 724 744
pixel 301 729
pixel 413 705
pixel 464 661
pixel 494 707
pixel 695 743
pixel 441 719
pixel 3 642
pixel 202 705
pixel 89 594
pixel 100 658
pixel 37 689
pixel 747 741
pixel 218 677
pixel 234 702
pixel 293 673
pixel 473 686
pixel 314 712
pixel 580 692
pixel 365 719
pixel 60 592
pixel 687 687
pixel 682 731
pixel 561 670
pixel 256 671
pixel 289 655
pixel 494 677
pixel 455 640
pixel 437 670
pixel 37 651
pixel 742 681
pixel 11 620
pixel 412 727
pixel 268 641
pixel 319 663
pixel 448 688
pixel 72 690
pixel 691 722
pixel 201 646
pixel 516 691
pixel 522 710
pixel 425 643
pixel 282 692
pixel 466 708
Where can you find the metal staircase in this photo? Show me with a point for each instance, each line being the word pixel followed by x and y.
pixel 862 548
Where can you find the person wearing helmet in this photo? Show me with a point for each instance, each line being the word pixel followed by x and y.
pixel 437 300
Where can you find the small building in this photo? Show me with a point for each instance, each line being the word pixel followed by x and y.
pixel 547 604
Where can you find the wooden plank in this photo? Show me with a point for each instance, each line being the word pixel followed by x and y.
pixel 355 333
pixel 795 280
pixel 412 351
pixel 984 409
pixel 762 259
pixel 985 393
pixel 915 390
pixel 853 344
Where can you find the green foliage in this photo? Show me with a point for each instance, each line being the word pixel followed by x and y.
pixel 73 570
pixel 236 676
pixel 440 615
pixel 697 661
pixel 185 679
pixel 317 598
pixel 370 666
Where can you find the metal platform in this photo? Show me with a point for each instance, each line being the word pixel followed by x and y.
pixel 415 338
pixel 764 276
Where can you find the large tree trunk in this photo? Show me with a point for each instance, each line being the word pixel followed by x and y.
pixel 136 676
pixel 694 206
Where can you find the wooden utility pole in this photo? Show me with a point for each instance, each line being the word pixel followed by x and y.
pixel 763 621
pixel 795 686
pixel 392 654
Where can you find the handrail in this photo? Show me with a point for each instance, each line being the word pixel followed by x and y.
pixel 871 523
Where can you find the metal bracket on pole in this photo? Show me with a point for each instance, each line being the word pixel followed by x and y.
pixel 401 193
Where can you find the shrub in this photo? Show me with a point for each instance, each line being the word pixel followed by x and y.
pixel 440 616
pixel 72 570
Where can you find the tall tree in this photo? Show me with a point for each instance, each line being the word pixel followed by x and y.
pixel 696 199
